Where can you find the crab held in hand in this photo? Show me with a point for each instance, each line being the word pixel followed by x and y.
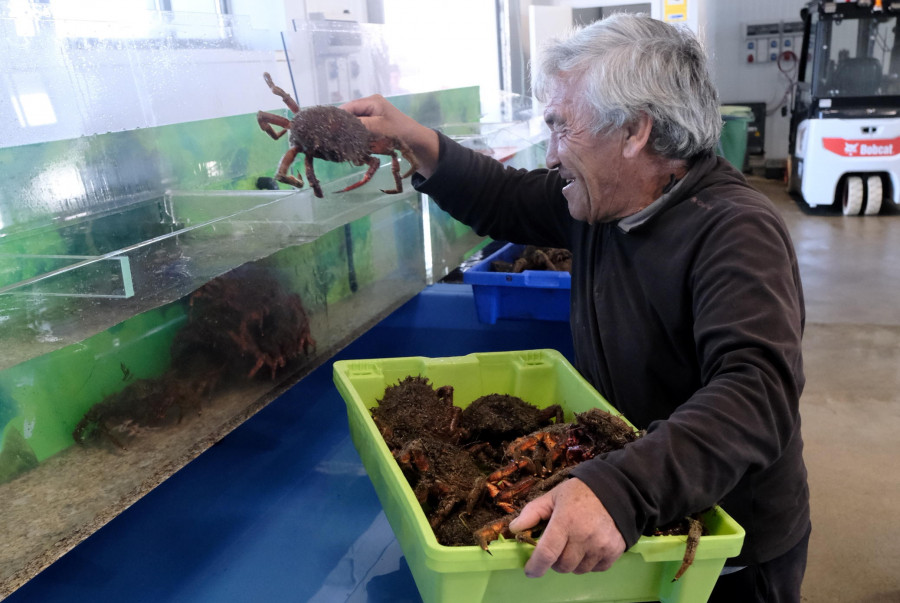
pixel 332 134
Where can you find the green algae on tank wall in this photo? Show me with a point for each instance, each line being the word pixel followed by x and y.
pixel 125 379
pixel 25 258
pixel 50 394
pixel 344 278
pixel 16 456
pixel 357 272
pixel 69 178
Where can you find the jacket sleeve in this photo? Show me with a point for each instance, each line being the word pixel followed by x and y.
pixel 742 424
pixel 507 204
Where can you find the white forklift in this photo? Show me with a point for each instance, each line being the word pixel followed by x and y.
pixel 845 121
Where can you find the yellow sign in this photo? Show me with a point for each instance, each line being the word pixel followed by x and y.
pixel 674 10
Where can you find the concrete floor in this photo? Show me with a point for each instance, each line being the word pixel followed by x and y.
pixel 851 405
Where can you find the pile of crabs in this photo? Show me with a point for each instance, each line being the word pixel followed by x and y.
pixel 472 469
pixel 533 257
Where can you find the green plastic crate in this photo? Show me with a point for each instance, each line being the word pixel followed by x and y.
pixel 443 573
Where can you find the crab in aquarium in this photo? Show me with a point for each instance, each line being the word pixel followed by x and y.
pixel 332 134
pixel 148 404
pixel 248 321
pixel 240 324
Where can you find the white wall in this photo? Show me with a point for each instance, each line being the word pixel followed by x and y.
pixel 525 36
pixel 739 81
pixel 440 45
pixel 87 72
pixel 720 24
pixel 67 71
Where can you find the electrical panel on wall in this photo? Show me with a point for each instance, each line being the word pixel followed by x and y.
pixel 767 42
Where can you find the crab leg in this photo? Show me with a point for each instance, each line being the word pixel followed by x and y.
pixel 505 498
pixel 265 121
pixel 291 104
pixel 408 155
pixel 387 146
pixel 490 532
pixel 443 511
pixel 282 174
pixel 693 539
pixel 395 170
pixel 311 176
pixel 373 165
pixel 475 495
pixel 528 536
pixel 500 475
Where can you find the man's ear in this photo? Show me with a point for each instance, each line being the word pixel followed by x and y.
pixel 637 135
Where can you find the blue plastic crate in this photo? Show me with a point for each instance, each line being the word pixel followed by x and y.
pixel 528 295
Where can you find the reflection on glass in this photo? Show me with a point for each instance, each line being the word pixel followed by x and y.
pixel 34 109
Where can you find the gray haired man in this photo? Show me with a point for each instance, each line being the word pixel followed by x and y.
pixel 687 309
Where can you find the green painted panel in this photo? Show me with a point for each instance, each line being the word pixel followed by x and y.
pixel 52 392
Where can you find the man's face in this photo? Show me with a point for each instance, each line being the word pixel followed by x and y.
pixel 592 164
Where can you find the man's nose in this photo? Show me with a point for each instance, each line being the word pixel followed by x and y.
pixel 551 157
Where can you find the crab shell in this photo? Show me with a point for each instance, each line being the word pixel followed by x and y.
pixel 329 133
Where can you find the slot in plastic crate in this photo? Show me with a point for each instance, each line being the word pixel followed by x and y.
pixel 466 573
pixel 528 295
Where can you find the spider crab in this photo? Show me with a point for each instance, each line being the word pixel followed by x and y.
pixel 246 318
pixel 332 134
pixel 413 408
pixel 542 459
pixel 443 476
pixel 542 454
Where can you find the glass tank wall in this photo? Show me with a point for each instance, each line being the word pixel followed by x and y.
pixel 157 287
pixel 511 129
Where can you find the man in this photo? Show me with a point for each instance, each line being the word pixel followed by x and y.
pixel 687 310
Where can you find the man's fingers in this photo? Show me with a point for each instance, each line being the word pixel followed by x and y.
pixel 362 106
pixel 531 514
pixel 546 553
pixel 604 564
pixel 588 564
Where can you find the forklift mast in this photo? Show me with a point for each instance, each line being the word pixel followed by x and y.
pixel 849 60
pixel 844 139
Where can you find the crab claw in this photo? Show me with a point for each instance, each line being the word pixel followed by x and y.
pixel 490 532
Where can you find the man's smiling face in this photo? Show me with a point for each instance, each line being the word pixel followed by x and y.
pixel 592 164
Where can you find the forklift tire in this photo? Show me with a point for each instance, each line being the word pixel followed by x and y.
pixel 852 196
pixel 874 194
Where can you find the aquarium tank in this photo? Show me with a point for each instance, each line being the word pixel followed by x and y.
pixel 157 285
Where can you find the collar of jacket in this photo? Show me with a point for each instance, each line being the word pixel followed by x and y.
pixel 701 167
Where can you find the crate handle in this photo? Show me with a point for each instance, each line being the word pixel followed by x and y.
pixel 533 358
pixel 361 369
